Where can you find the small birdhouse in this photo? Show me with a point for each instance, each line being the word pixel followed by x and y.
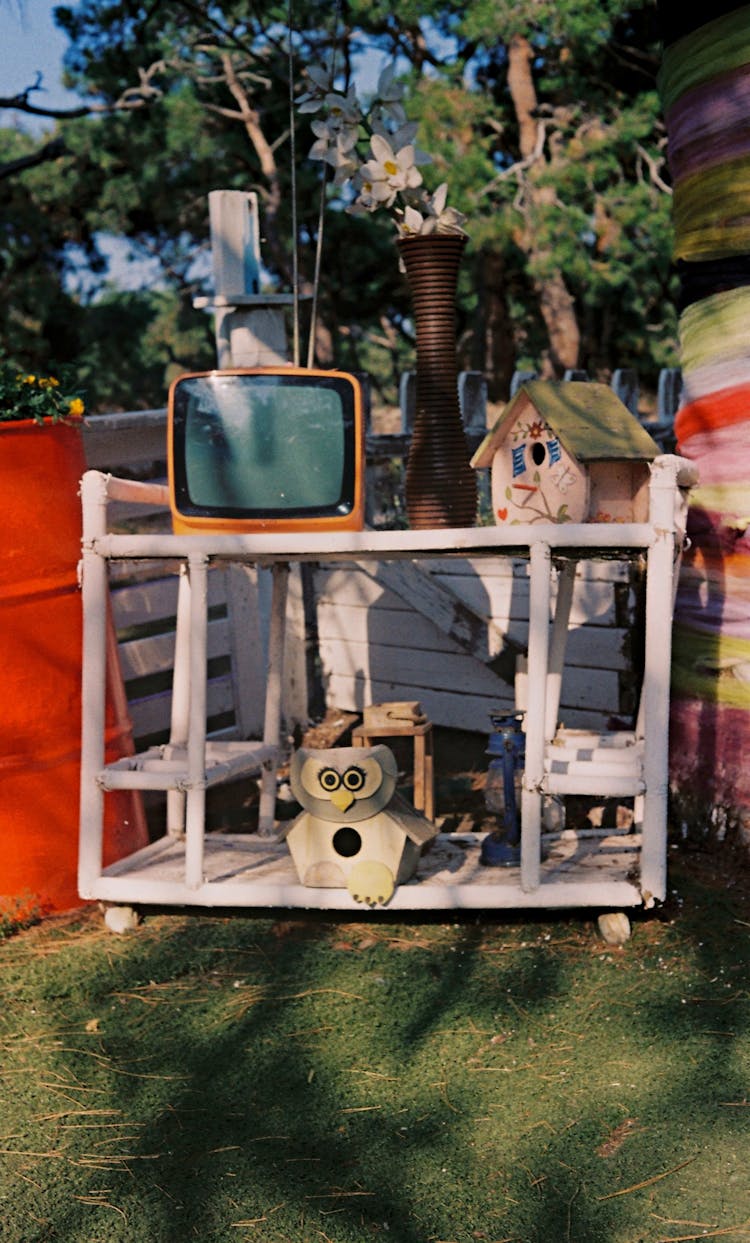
pixel 355 832
pixel 567 452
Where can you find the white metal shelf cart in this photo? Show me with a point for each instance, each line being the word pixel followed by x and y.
pixel 189 867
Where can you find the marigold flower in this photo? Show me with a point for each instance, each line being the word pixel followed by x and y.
pixel 75 406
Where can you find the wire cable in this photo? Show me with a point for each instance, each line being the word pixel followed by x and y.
pixel 293 177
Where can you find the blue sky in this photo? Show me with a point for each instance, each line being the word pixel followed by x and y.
pixel 30 43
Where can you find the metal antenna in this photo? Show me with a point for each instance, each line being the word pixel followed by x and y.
pixel 293 153
pixel 321 208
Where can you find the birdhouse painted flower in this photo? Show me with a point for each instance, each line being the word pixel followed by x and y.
pixel 355 831
pixel 567 452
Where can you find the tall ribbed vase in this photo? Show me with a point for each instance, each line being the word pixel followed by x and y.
pixel 441 489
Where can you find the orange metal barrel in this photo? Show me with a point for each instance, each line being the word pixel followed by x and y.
pixel 40 674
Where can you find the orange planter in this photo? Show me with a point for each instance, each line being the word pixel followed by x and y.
pixel 40 642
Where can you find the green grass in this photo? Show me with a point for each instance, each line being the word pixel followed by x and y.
pixel 291 1080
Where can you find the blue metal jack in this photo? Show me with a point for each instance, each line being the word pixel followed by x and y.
pixel 507 746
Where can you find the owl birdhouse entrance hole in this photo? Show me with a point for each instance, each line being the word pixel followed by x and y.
pixel 355 832
pixel 569 452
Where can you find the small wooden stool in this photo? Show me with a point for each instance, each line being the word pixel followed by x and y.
pixel 424 760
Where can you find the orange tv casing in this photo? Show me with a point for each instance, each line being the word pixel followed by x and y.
pixel 348 516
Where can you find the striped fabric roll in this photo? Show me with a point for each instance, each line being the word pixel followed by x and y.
pixel 704 55
pixel 705 85
pixel 705 279
pixel 716 376
pixel 721 409
pixel 715 329
pixel 710 211
pixel 723 453
pixel 710 124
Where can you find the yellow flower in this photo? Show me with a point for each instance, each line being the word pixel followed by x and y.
pixel 49 382
pixel 75 406
pixel 29 379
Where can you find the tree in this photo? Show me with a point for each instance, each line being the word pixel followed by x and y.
pixel 544 115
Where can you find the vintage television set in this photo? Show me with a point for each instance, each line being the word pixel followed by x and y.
pixel 266 449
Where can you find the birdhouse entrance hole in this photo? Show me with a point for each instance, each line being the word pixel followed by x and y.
pixel 347 842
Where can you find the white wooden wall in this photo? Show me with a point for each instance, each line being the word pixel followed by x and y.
pixel 374 646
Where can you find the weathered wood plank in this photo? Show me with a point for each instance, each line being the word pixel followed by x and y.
pixel 151 715
pixel 140 604
pixel 464 623
pixel 446 708
pixel 141 658
pixel 510 567
pixel 595 647
pixel 114 440
pixel 414 671
pixel 499 597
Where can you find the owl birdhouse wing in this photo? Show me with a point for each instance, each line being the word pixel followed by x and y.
pixel 414 825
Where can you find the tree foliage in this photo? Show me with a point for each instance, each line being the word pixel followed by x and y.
pixel 542 114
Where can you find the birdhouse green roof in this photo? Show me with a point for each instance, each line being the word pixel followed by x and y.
pixel 589 420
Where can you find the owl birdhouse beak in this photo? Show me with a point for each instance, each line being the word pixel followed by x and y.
pixel 342 799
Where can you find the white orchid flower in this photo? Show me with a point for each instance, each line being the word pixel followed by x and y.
pixel 396 168
pixel 343 110
pixel 371 193
pixel 413 223
pixel 394 160
pixel 324 139
pixel 340 158
pixel 435 217
pixel 388 96
pixel 332 142
pixel 402 137
pixel 320 78
pixel 387 88
pixel 447 219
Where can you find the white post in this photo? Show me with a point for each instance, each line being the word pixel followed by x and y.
pixel 94 681
pixel 180 715
pixel 246 647
pixel 565 585
pixel 656 678
pixel 249 331
pixel 196 755
pixel 274 690
pixel 531 800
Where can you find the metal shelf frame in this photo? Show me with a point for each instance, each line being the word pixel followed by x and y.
pixel 189 868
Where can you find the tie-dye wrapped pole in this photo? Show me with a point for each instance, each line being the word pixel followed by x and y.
pixel 705 86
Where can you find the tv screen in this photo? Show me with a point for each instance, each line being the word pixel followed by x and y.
pixel 266 448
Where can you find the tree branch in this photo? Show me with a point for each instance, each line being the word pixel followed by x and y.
pixel 653 168
pixel 50 151
pixel 132 97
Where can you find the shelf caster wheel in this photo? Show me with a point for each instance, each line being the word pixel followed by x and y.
pixel 121 919
pixel 614 927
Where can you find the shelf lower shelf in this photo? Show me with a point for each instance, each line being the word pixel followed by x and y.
pixel 166 767
pixel 253 872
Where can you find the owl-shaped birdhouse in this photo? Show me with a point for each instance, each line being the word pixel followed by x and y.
pixel 355 831
pixel 567 452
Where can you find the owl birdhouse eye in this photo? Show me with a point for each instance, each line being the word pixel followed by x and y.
pixel 329 779
pixel 354 779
